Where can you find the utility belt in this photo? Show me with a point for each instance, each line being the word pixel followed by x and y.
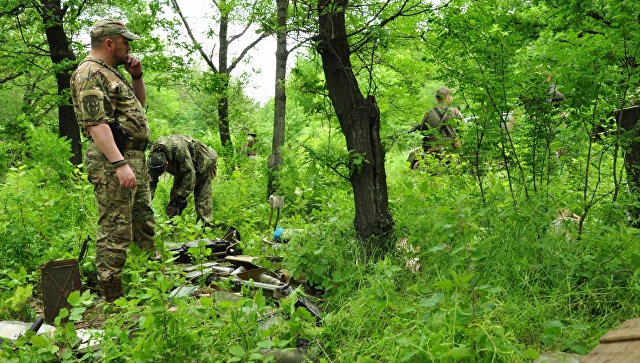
pixel 124 142
pixel 137 145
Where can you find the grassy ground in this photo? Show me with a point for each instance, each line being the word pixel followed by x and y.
pixel 497 280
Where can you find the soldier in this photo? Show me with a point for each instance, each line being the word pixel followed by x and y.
pixel 249 147
pixel 437 121
pixel 193 165
pixel 110 112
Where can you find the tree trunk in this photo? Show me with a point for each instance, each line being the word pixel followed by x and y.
pixel 223 100
pixel 627 120
pixel 359 119
pixel 63 57
pixel 280 98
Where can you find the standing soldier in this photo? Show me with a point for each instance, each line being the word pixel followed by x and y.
pixel 437 123
pixel 110 112
pixel 249 147
pixel 193 166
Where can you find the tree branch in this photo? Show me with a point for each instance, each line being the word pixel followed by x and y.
pixel 245 50
pixel 11 77
pixel 234 37
pixel 206 58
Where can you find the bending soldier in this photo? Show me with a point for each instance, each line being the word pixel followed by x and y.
pixel 193 165
pixel 110 112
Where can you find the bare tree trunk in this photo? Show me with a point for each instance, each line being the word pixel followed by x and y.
pixel 359 119
pixel 280 98
pixel 627 119
pixel 64 58
pixel 224 69
pixel 223 101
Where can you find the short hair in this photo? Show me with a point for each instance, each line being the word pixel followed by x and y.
pixel 97 42
pixel 442 92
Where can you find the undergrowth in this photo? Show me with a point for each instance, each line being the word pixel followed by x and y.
pixel 497 281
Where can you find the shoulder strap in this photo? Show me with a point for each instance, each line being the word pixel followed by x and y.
pixel 118 74
pixel 442 113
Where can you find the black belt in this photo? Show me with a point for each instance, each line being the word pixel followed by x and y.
pixel 136 145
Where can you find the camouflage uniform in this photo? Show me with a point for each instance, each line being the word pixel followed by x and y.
pixel 193 165
pixel 437 122
pixel 102 96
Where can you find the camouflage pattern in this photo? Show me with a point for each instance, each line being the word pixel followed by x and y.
pixel 193 166
pixel 100 95
pixel 106 27
pixel 439 128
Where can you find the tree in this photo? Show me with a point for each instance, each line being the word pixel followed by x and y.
pixel 226 10
pixel 359 119
pixel 64 60
pixel 59 50
pixel 359 115
pixel 280 96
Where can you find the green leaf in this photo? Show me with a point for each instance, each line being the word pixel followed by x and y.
pixel 531 353
pixel 237 350
pixel 433 300
pixel 206 302
pixel 74 298
pixel 404 342
pixel 443 284
pixel 460 352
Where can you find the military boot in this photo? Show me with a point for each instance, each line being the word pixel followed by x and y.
pixel 112 289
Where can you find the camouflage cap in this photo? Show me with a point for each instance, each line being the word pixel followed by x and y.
pixel 111 27
pixel 442 92
pixel 157 163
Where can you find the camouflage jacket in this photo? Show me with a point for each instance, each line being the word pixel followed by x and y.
pixel 101 95
pixel 189 159
pixel 438 118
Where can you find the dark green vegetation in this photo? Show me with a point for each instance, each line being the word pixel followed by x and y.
pixel 498 280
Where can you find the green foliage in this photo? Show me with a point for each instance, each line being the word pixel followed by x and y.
pixel 38 222
pixel 17 289
pixel 489 270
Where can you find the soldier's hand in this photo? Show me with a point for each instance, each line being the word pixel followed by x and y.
pixel 126 176
pixel 133 66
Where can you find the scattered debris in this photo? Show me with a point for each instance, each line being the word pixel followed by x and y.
pixel 12 330
pixel 241 271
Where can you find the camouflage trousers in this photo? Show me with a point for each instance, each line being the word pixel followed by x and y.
pixel 125 215
pixel 201 194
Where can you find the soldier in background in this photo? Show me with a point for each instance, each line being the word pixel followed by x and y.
pixel 437 122
pixel 110 112
pixel 249 147
pixel 193 166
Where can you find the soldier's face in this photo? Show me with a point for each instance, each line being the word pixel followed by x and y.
pixel 121 49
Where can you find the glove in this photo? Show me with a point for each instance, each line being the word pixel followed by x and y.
pixel 176 206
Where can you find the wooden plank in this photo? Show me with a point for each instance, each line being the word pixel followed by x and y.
pixel 617 357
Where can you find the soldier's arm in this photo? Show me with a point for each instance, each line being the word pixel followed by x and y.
pixel 93 105
pixel 102 136
pixel 184 184
pixel 153 184
pixel 134 67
